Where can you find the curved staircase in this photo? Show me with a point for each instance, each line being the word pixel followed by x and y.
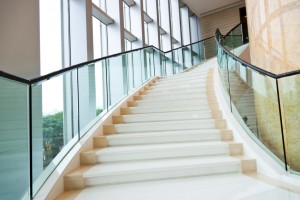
pixel 174 129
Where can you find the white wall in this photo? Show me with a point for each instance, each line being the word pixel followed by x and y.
pixel 19 38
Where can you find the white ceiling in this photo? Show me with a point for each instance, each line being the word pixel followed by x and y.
pixel 200 7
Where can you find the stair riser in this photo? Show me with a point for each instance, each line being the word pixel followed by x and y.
pixel 185 76
pixel 165 127
pixel 164 139
pixel 142 110
pixel 155 118
pixel 197 170
pixel 177 93
pixel 198 77
pixel 180 83
pixel 175 97
pixel 175 87
pixel 198 103
pixel 164 154
pixel 177 90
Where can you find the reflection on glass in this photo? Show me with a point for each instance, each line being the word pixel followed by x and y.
pixel 223 74
pixel 254 103
pixel 210 48
pixel 92 98
pixel 117 77
pixel 290 93
pixel 54 116
pixel 14 156
pixel 158 62
pixel 168 58
pixel 187 53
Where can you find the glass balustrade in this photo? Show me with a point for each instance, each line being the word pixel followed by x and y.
pixel 265 104
pixel 54 123
pixel 14 142
pixel 290 106
pixel 42 119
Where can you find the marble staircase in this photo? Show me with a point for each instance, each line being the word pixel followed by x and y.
pixel 173 129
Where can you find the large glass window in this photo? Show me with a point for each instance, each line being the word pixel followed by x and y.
pixel 175 22
pixel 146 5
pixel 194 28
pixel 184 11
pixel 101 4
pixel 50 36
pixel 146 33
pixel 164 21
pixel 99 39
pixel 127 17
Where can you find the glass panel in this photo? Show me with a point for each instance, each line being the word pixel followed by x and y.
pixel 55 128
pixel 127 21
pixel 50 35
pixel 234 39
pixel 197 53
pixel 137 68
pixel 130 67
pixel 158 62
pixel 255 106
pixel 187 52
pixel 92 96
pixel 223 73
pixel 148 69
pixel 169 64
pixel 290 95
pixel 210 48
pixel 14 155
pixel 117 77
pixel 178 60
pixel 97 38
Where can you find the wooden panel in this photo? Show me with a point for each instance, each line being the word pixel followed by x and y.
pixel 224 20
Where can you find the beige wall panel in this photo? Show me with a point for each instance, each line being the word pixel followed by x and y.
pixel 225 20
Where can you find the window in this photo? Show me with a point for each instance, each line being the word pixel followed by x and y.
pixel 50 36
pixel 99 39
pixel 127 17
pixel 101 4
pixel 146 33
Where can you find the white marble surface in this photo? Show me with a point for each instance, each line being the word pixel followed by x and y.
pixel 221 187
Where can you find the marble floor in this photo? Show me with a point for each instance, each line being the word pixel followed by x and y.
pixel 219 187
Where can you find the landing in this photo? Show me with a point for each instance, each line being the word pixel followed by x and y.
pixel 225 187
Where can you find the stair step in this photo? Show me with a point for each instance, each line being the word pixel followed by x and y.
pixel 152 117
pixel 186 91
pixel 180 82
pixel 161 151
pixel 166 137
pixel 186 102
pixel 201 81
pixel 170 125
pixel 162 109
pixel 176 97
pixel 126 172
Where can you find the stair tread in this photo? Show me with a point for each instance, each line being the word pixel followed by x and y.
pixel 106 169
pixel 165 133
pixel 193 113
pixel 165 122
pixel 160 147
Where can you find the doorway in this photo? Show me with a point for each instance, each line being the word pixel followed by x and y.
pixel 243 19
